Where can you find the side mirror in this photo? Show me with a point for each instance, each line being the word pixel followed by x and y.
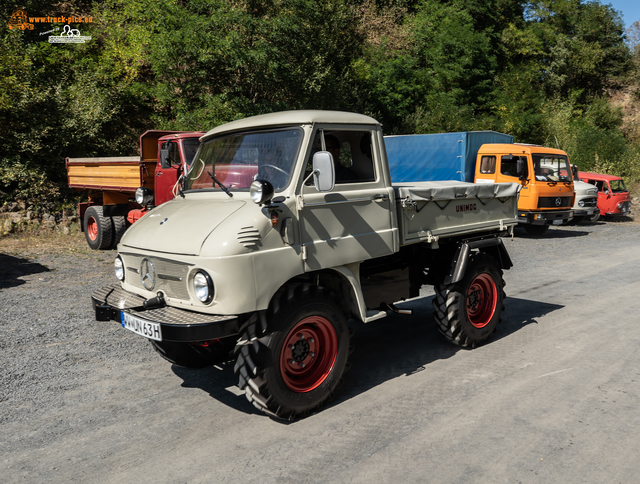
pixel 324 176
pixel 165 160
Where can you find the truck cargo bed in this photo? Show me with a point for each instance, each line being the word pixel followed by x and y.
pixel 123 173
pixel 428 211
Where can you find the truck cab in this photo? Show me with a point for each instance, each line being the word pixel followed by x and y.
pixel 547 193
pixel 613 195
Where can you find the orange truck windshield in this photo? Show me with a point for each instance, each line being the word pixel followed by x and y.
pixel 552 168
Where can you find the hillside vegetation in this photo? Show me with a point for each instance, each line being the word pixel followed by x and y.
pixel 553 72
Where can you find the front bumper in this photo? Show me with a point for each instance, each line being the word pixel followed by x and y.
pixel 177 324
pixel 544 217
pixel 585 212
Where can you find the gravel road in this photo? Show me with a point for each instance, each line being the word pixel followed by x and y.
pixel 553 397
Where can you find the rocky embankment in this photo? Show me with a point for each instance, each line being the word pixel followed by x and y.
pixel 19 216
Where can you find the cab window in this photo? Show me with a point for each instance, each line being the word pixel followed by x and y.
pixel 352 155
pixel 488 165
pixel 509 165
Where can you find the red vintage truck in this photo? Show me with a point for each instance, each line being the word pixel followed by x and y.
pixel 613 195
pixel 122 189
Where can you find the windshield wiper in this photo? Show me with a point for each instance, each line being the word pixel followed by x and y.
pixel 226 190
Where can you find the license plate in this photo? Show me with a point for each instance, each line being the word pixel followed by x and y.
pixel 557 222
pixel 140 326
pixel 589 212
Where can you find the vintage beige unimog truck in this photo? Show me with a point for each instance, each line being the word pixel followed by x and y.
pixel 287 227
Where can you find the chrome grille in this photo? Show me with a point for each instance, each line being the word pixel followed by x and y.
pixel 552 202
pixel 171 276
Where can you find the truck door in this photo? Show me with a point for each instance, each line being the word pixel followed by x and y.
pixel 167 176
pixel 355 221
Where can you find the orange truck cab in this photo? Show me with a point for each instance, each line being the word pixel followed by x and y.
pixel 613 196
pixel 547 193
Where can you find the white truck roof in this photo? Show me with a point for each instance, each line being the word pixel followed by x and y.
pixel 285 118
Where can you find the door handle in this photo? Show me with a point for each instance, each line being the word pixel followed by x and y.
pixel 380 198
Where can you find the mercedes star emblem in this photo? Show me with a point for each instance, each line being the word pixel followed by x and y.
pixel 558 202
pixel 147 274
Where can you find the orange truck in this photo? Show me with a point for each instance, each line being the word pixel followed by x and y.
pixel 547 191
pixel 122 189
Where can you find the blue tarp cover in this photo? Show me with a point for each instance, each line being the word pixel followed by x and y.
pixel 446 156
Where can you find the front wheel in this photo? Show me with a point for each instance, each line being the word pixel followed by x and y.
pixel 595 217
pixel 468 311
pixel 291 358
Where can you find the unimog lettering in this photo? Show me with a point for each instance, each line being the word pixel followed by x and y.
pixel 287 229
pixel 470 207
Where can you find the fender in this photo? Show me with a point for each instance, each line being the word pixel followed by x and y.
pixel 493 247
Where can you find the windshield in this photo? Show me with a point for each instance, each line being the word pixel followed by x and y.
pixel 237 160
pixel 617 186
pixel 552 168
pixel 190 146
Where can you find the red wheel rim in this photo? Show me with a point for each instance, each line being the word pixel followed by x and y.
pixel 92 228
pixel 482 299
pixel 308 354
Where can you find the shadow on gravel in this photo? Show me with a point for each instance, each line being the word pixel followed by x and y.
pixel 521 312
pixel 552 233
pixel 618 219
pixel 13 268
pixel 384 349
pixel 215 381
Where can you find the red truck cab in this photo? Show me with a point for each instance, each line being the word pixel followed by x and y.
pixel 613 196
pixel 122 189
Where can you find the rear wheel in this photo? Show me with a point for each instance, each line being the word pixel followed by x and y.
pixel 195 355
pixel 536 229
pixel 468 311
pixel 97 228
pixel 291 358
pixel 119 228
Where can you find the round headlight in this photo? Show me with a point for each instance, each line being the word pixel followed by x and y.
pixel 581 203
pixel 118 266
pixel 261 191
pixel 143 195
pixel 203 287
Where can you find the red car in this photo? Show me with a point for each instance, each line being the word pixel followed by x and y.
pixel 613 196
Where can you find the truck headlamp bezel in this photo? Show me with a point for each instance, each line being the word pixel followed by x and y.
pixel 144 196
pixel 261 191
pixel 203 287
pixel 118 267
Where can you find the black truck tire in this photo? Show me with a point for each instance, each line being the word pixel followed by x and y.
pixel 195 355
pixel 98 229
pixel 468 311
pixel 536 229
pixel 594 218
pixel 119 228
pixel 291 358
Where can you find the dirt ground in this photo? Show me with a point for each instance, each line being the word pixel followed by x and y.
pixel 553 397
